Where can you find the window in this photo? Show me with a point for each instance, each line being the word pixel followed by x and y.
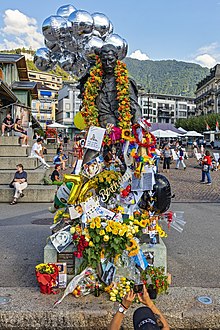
pixel 154 105
pixel 154 112
pixel 67 114
pixel 67 106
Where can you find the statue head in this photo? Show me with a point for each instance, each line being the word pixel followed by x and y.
pixel 108 55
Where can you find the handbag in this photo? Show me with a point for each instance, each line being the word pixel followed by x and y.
pixel 205 168
pixel 11 184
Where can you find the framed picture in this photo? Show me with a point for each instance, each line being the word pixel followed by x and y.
pixel 108 273
pixel 61 239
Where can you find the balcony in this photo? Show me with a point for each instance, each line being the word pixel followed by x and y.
pixel 163 114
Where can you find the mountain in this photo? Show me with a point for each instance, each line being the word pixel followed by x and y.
pixel 166 76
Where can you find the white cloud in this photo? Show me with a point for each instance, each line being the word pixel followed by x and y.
pixel 206 60
pixel 20 31
pixel 138 55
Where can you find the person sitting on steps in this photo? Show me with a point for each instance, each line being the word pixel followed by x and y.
pixel 37 152
pixel 19 131
pixel 7 124
pixel 19 183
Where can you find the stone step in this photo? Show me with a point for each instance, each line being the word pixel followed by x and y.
pixel 34 176
pixel 12 150
pixel 9 140
pixel 9 163
pixel 49 158
pixel 52 151
pixel 32 194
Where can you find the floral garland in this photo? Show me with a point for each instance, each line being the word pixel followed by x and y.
pixel 92 87
pixel 149 137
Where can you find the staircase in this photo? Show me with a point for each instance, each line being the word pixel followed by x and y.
pixel 11 154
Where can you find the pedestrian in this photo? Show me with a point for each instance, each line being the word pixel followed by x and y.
pixel 19 183
pixel 65 141
pixel 206 167
pixel 7 125
pixel 157 158
pixel 37 152
pixel 167 155
pixel 180 159
pixel 147 317
pixel 20 131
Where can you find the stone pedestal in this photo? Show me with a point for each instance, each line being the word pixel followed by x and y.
pixel 159 251
pixel 52 256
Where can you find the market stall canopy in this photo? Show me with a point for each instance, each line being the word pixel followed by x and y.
pixel 159 133
pixel 182 130
pixel 56 125
pixel 193 134
pixel 172 134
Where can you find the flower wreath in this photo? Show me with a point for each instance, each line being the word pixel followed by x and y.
pixel 92 87
pixel 150 138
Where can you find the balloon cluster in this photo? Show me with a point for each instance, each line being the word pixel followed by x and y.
pixel 73 37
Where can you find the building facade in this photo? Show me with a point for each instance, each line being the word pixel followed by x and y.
pixel 16 91
pixel 68 105
pixel 208 93
pixel 46 79
pixel 161 108
pixel 45 106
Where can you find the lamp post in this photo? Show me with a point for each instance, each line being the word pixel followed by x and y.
pixel 148 104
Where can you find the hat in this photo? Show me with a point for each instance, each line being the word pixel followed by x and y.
pixel 144 319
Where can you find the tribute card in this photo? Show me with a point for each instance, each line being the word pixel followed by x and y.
pixel 61 239
pixel 62 276
pixel 94 138
pixel 93 167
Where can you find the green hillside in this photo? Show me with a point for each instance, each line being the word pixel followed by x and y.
pixel 166 77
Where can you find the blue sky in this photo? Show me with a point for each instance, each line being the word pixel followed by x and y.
pixel 187 30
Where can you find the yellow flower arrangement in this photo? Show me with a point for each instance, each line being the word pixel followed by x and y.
pixel 45 268
pixel 120 289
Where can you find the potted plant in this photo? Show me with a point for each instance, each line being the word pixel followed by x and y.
pixel 47 277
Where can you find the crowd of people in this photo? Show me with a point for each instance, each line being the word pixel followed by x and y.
pixel 167 153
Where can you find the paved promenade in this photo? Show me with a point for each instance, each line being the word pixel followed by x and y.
pixel 192 260
pixel 186 184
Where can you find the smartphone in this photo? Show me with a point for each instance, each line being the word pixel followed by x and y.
pixel 138 288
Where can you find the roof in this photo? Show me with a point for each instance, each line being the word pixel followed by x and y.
pixel 41 86
pixel 20 62
pixel 26 85
pixel 164 127
pixel 6 94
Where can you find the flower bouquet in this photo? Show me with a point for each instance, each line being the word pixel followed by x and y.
pixel 47 277
pixel 155 278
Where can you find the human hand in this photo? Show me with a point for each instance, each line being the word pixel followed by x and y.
pixel 145 298
pixel 128 299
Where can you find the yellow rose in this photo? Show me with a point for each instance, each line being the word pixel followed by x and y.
pixel 92 225
pixel 129 235
pixel 98 225
pixel 121 232
pixel 102 232
pixel 91 244
pixel 72 230
pixel 108 229
pixel 106 238
pixel 115 231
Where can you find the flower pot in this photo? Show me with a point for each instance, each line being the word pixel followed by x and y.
pixel 152 291
pixel 47 282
